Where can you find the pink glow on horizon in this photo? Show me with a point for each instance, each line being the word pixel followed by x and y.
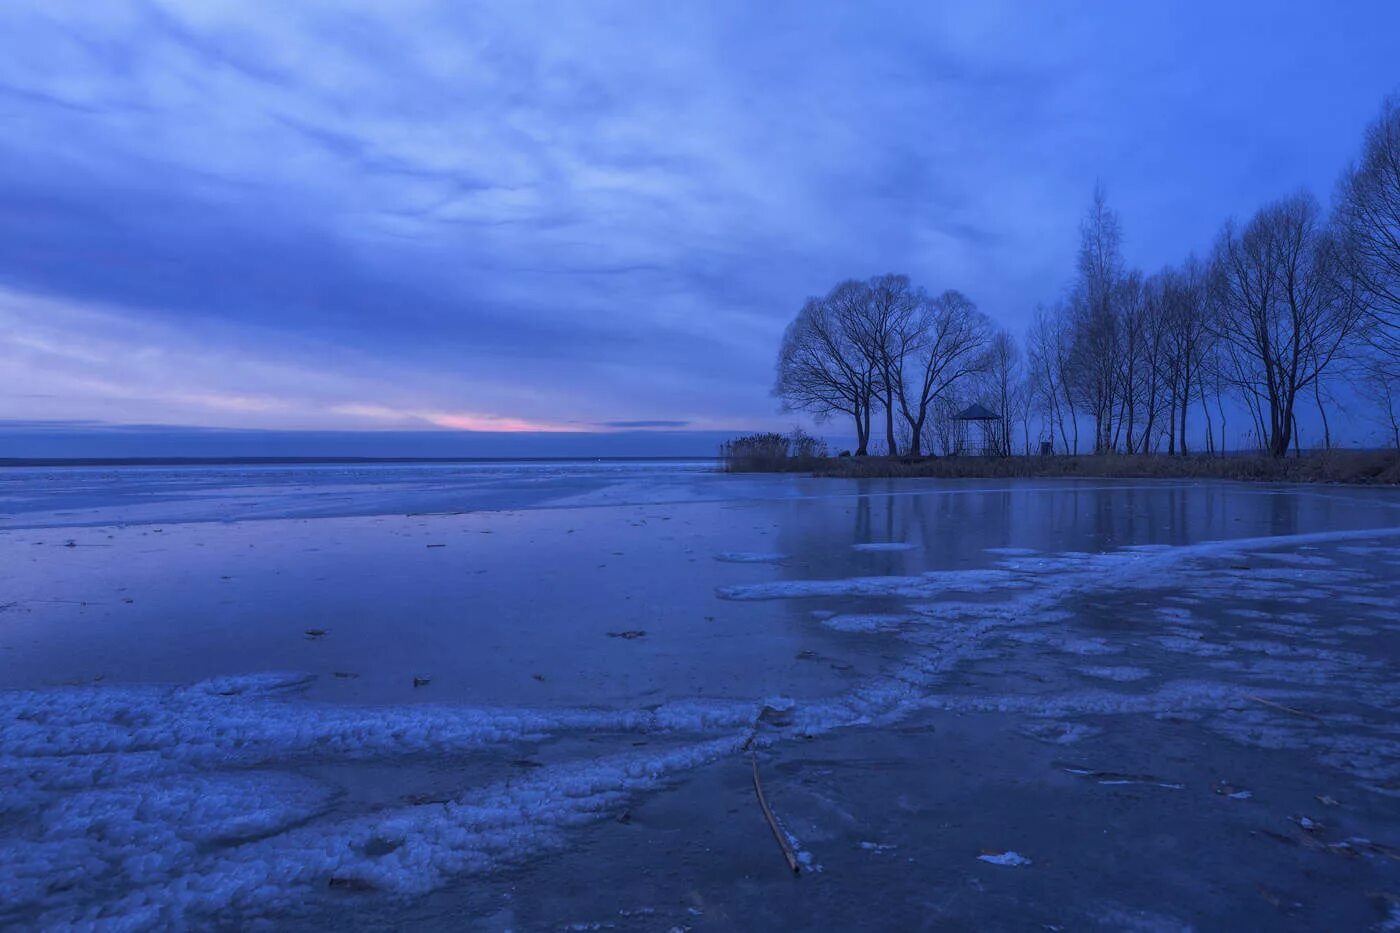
pixel 458 421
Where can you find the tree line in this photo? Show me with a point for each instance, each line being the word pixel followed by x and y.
pixel 1284 308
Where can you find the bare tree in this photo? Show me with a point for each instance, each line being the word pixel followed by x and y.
pixel 1095 350
pixel 1213 360
pixel 1156 391
pixel 1367 221
pixel 822 367
pixel 941 432
pixel 1184 296
pixel 944 342
pixel 1000 387
pixel 1026 403
pixel 1134 382
pixel 1049 352
pixel 885 325
pixel 1282 316
pixel 1381 381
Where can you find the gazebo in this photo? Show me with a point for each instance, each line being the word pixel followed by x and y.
pixel 987 420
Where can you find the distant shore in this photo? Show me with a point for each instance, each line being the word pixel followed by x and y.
pixel 313 461
pixel 1375 467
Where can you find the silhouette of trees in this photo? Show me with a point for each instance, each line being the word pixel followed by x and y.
pixel 1282 316
pixel 1287 305
pixel 885 344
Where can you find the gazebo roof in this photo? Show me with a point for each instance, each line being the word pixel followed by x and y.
pixel 976 412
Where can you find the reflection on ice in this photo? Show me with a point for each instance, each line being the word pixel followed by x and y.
pixel 266 794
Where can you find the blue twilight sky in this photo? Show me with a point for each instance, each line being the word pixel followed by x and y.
pixel 588 216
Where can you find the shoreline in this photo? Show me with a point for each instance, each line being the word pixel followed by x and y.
pixel 46 462
pixel 1370 468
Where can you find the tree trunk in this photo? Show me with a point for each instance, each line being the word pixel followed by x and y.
pixel 1322 410
pixel 1220 407
pixel 1205 410
pixel 1185 402
pixel 1171 425
pixel 1181 423
pixel 1280 429
pixel 1130 404
pixel 889 422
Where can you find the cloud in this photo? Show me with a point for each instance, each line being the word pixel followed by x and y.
pixel 542 214
pixel 643 424
pixel 71 362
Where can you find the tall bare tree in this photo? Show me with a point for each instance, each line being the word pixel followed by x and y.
pixel 1049 352
pixel 822 366
pixel 1155 390
pixel 1095 368
pixel 1367 220
pixel 890 330
pixel 1001 386
pixel 1185 307
pixel 945 342
pixel 1281 313
pixel 1133 381
pixel 1381 380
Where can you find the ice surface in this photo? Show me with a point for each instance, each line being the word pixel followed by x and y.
pixel 160 771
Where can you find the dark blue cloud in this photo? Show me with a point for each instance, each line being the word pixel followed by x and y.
pixel 607 216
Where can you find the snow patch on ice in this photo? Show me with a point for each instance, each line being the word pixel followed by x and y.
pixel 804 858
pixel 873 622
pixel 1060 733
pixel 1121 674
pixel 918 587
pixel 878 847
pixel 1299 560
pixel 750 557
pixel 1197 646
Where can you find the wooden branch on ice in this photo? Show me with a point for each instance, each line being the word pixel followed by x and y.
pixel 1286 709
pixel 773 822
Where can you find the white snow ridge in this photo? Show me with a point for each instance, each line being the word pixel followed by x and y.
pixel 189 799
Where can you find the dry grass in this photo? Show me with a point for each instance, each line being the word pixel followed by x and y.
pixel 1373 467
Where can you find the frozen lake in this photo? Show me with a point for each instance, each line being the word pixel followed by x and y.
pixel 524 696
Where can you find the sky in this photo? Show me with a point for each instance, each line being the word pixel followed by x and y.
pixel 595 218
